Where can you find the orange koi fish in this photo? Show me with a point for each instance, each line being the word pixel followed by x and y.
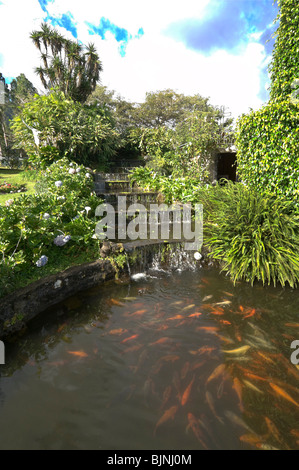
pixel 250 314
pixel 195 315
pixel 187 392
pixel 218 311
pixel 193 423
pixel 272 429
pixel 161 340
pixel 208 329
pixel 118 331
pixel 218 371
pixel 130 338
pixel 78 353
pixel 166 395
pixel 132 348
pixel 176 317
pixel 116 302
pixel 138 312
pixel 238 389
pixel 282 393
pixel 225 322
pixel 169 414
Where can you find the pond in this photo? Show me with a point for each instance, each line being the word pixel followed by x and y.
pixel 181 360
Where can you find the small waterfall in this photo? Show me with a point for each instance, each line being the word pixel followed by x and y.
pixel 161 256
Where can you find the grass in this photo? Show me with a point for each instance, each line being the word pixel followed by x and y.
pixel 7 175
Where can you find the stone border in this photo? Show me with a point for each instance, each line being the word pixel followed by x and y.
pixel 20 307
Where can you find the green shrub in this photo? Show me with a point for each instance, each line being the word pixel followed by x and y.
pixel 255 236
pixel 50 228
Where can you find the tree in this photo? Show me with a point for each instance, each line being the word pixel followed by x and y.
pixel 21 90
pixel 268 139
pixel 53 126
pixel 67 65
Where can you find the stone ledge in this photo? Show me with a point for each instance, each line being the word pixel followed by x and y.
pixel 20 307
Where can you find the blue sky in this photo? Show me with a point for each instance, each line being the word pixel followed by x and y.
pixel 217 48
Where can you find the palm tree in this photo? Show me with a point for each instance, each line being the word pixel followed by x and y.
pixel 66 64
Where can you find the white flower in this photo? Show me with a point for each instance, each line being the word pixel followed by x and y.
pixel 61 240
pixel 61 198
pixel 58 184
pixel 78 170
pixel 72 171
pixel 87 175
pixel 9 202
pixel 46 216
pixel 87 208
pixel 71 164
pixel 197 255
pixel 42 261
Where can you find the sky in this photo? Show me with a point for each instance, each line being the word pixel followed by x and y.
pixel 219 49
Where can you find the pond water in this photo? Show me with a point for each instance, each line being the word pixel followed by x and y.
pixel 163 361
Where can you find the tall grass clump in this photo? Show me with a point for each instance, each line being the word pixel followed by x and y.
pixel 256 237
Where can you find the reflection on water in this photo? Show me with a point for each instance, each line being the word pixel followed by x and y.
pixel 186 361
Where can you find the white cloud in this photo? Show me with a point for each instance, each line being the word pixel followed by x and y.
pixel 152 62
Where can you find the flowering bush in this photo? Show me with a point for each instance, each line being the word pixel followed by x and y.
pixel 11 188
pixel 54 225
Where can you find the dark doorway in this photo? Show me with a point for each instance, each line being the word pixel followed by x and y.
pixel 226 166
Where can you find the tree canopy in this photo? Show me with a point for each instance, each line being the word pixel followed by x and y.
pixel 67 65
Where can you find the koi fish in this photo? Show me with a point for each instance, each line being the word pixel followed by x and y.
pixel 138 312
pixel 116 302
pixel 193 423
pixel 207 297
pixel 225 322
pixel 169 414
pixel 78 353
pixel 292 325
pixel 272 429
pixel 161 341
pixel 129 298
pixel 241 350
pixel 218 371
pixel 185 370
pixel 238 421
pixel 238 389
pixel 251 439
pixel 250 385
pixel 187 392
pixel 282 393
pixel 250 314
pixel 166 395
pixel 118 331
pixel 227 293
pixel 225 302
pixel 210 402
pixel 130 338
pixel 217 312
pixel 188 307
pixel 132 348
pixel 176 317
pixel 195 315
pixel 208 329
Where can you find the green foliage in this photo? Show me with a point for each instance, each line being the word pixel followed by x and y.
pixel 268 139
pixel 29 225
pixel 268 149
pixel 284 67
pixel 65 128
pixel 67 65
pixel 184 151
pixel 255 236
pixel 174 189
